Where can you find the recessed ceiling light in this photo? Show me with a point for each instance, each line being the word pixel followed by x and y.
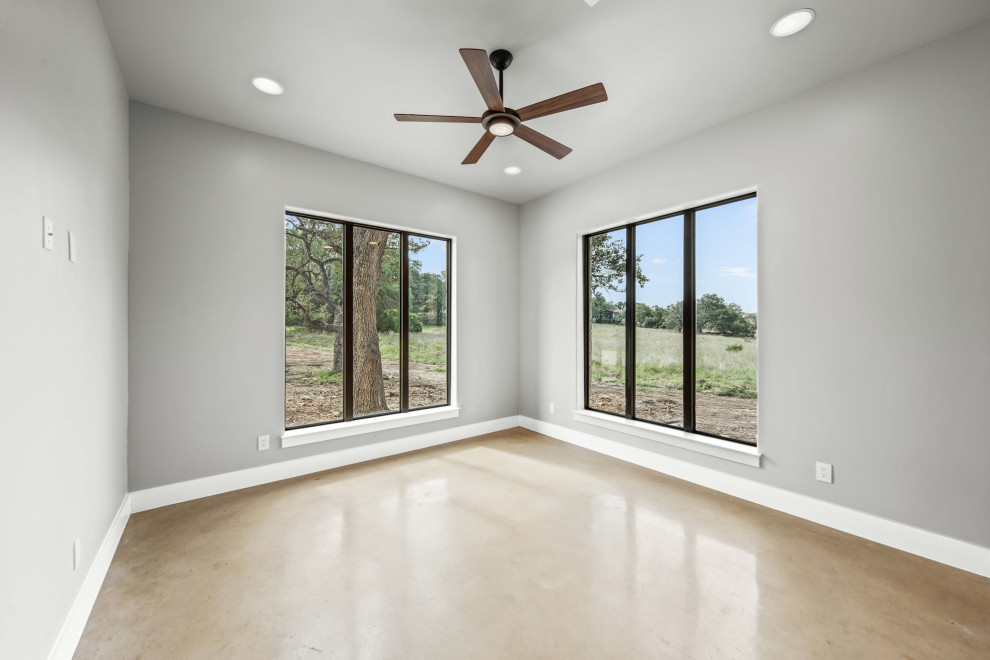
pixel 792 23
pixel 267 85
pixel 512 170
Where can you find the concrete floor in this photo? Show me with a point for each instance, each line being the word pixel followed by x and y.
pixel 513 545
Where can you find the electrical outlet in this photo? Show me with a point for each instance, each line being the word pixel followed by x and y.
pixel 76 550
pixel 263 442
pixel 47 233
pixel 823 472
pixel 552 407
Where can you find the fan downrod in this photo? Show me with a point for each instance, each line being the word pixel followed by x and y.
pixel 500 60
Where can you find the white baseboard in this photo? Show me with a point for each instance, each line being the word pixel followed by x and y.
pixel 75 622
pixel 943 549
pixel 152 498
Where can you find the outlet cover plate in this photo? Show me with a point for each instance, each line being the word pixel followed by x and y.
pixel 264 442
pixel 823 472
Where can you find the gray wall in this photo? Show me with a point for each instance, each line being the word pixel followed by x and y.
pixel 63 339
pixel 207 286
pixel 874 264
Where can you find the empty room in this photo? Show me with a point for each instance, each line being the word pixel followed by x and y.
pixel 520 329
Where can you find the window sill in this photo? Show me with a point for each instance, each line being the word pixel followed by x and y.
pixel 730 451
pixel 335 430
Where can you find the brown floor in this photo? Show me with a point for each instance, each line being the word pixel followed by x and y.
pixel 513 545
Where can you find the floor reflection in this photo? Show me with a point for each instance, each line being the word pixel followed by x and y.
pixel 516 546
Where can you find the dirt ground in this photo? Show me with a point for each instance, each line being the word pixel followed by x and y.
pixel 309 400
pixel 727 416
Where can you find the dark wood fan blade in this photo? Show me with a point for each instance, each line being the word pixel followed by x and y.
pixel 440 118
pixel 481 70
pixel 577 99
pixel 483 144
pixel 541 141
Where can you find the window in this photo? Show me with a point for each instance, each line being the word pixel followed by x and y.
pixel 367 328
pixel 653 358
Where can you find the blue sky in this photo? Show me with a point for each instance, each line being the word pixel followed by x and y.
pixel 433 256
pixel 725 248
pixel 725 242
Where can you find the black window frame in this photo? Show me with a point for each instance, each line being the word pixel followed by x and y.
pixel 347 412
pixel 689 337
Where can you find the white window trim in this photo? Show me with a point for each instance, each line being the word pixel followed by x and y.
pixel 727 449
pixel 335 430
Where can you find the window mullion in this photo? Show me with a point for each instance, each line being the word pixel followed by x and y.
pixel 586 264
pixel 449 249
pixel 688 316
pixel 348 322
pixel 404 322
pixel 630 322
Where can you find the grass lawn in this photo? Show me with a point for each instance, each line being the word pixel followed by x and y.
pixel 426 347
pixel 720 370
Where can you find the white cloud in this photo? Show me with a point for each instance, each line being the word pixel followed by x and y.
pixel 736 271
pixel 658 260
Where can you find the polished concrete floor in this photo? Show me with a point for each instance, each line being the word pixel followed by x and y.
pixel 513 545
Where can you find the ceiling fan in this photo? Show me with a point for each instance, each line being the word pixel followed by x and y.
pixel 500 121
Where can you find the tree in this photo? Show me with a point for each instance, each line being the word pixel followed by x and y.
pixel 314 291
pixel 649 317
pixel 608 264
pixel 715 315
pixel 673 316
pixel 369 384
pixel 314 278
pixel 707 311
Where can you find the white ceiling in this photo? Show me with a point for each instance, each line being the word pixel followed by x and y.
pixel 671 68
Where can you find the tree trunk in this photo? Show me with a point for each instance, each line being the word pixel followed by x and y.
pixel 369 384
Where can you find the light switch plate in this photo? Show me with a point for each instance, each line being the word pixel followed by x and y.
pixel 48 233
pixel 72 247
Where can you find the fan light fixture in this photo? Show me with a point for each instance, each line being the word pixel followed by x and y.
pixel 499 120
pixel 512 170
pixel 500 126
pixel 792 23
pixel 267 85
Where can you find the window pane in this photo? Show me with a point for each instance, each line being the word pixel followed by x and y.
pixel 314 295
pixel 659 303
pixel 375 317
pixel 427 322
pixel 607 296
pixel 725 266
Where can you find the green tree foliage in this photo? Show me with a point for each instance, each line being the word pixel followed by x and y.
pixel 714 315
pixel 608 264
pixel 314 278
pixel 649 317
pixel 427 291
pixel 673 316
pixel 388 321
pixel 608 271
